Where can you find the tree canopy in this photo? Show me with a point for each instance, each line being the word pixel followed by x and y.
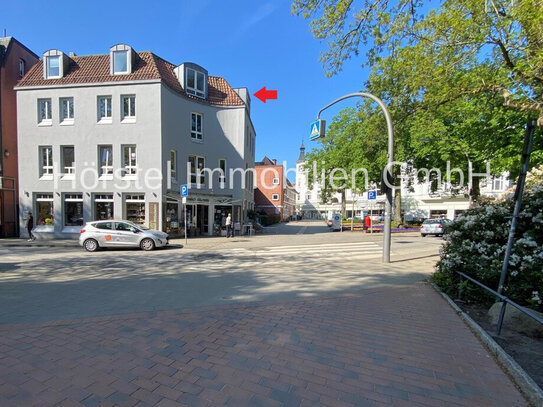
pixel 499 41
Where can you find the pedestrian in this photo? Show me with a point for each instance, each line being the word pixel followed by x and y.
pixel 367 223
pixel 29 226
pixel 228 223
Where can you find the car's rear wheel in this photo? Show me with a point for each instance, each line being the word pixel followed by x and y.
pixel 423 234
pixel 147 244
pixel 91 245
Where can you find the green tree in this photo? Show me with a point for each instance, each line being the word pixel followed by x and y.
pixel 504 37
pixel 352 154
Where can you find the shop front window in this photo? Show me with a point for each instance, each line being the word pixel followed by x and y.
pixel 73 210
pixel 135 208
pixel 45 209
pixel 103 207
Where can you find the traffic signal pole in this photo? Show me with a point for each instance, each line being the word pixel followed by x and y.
pixel 388 168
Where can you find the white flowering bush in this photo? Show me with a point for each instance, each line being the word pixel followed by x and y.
pixel 475 244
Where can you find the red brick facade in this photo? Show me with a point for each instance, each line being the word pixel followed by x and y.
pixel 15 59
pixel 274 194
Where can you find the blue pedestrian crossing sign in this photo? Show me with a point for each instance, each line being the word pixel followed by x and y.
pixel 184 190
pixel 317 129
pixel 372 194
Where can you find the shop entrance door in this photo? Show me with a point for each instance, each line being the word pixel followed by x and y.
pixel 202 219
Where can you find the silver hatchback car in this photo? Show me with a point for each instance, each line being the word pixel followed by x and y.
pixel 120 233
pixel 434 227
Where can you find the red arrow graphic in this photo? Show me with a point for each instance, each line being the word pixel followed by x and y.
pixel 264 94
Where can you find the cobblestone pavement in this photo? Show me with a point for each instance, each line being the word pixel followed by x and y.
pixel 391 346
pixel 274 321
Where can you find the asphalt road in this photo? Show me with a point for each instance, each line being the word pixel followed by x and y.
pixel 300 259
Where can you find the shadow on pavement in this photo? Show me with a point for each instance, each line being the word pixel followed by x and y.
pixel 75 287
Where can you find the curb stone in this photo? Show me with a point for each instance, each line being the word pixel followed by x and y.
pixel 524 382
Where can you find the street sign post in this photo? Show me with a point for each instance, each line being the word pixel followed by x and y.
pixel 317 129
pixel 184 190
pixel 372 194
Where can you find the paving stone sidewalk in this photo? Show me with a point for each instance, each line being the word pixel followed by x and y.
pixel 391 346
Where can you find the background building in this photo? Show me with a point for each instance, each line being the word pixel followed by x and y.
pixel 116 135
pixel 274 194
pixel 15 61
pixel 418 201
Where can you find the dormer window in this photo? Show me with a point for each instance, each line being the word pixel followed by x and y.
pixel 122 59
pixel 195 83
pixel 55 64
pixel 120 62
pixel 53 67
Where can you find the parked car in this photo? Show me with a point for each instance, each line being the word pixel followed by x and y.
pixel 434 227
pixel 120 233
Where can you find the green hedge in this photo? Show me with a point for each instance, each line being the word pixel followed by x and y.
pixel 475 244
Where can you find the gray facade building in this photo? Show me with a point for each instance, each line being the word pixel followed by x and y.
pixel 116 135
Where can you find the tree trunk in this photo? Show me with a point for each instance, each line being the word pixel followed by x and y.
pixel 398 205
pixel 475 191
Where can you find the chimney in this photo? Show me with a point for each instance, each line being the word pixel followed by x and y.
pixel 274 161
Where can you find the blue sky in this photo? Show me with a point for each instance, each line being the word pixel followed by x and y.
pixel 250 43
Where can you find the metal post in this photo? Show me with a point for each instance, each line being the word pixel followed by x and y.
pixel 185 215
pixel 525 162
pixel 390 155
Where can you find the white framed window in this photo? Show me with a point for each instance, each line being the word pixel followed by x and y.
pixel 197 164
pixel 130 164
pixel 103 207
pixel 104 109
pixel 196 132
pixel 195 83
pixel 73 209
pixel 275 197
pixel 275 181
pixel 120 62
pixel 68 160
pixel 22 68
pixel 45 209
pixel 66 111
pixel 498 184
pixel 222 167
pixel 53 66
pixel 105 160
pixel 173 165
pixel 46 162
pixel 44 112
pixel 128 103
pixel 135 208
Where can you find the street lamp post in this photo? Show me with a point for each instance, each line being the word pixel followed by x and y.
pixel 390 154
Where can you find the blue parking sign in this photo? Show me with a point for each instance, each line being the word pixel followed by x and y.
pixel 184 190
pixel 372 194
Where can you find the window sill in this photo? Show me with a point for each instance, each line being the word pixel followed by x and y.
pixel 46 178
pixel 67 122
pixel 195 140
pixel 72 229
pixel 128 120
pixel 43 228
pixel 67 177
pixel 45 123
pixel 130 177
pixel 105 178
pixel 105 121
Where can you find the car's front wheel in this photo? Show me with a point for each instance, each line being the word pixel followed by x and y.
pixel 91 245
pixel 147 244
pixel 423 234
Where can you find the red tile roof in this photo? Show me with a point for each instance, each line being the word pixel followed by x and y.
pixel 148 66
